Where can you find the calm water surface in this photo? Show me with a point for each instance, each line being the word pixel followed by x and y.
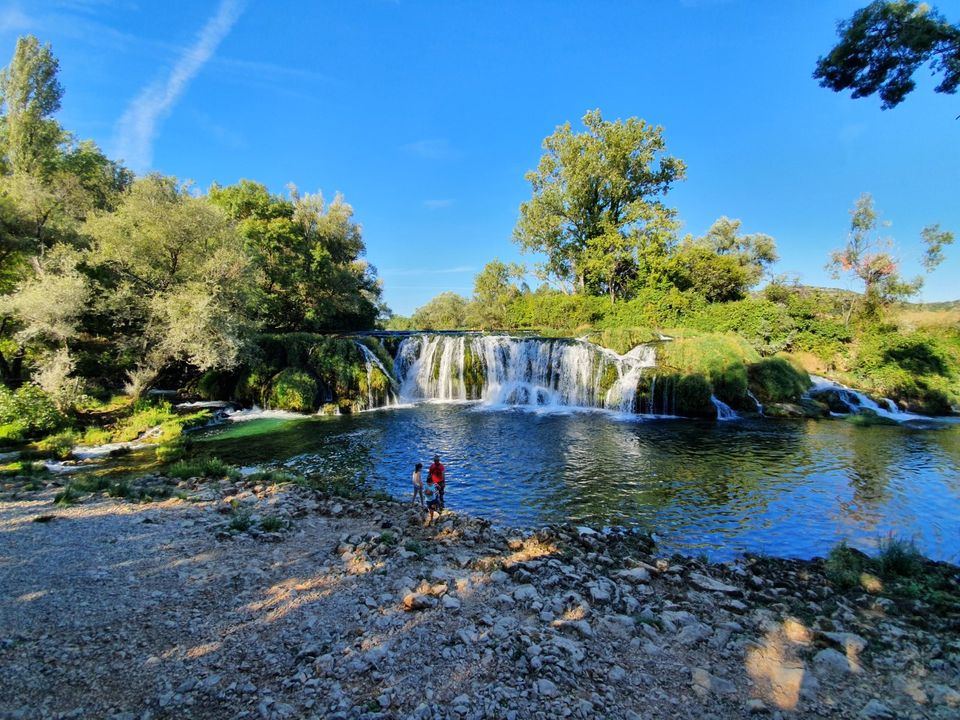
pixel 788 488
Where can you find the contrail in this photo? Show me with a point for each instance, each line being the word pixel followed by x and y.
pixel 137 127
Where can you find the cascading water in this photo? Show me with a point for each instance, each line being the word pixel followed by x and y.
pixel 373 365
pixel 724 411
pixel 502 370
pixel 856 401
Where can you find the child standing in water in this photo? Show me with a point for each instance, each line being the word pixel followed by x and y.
pixel 418 485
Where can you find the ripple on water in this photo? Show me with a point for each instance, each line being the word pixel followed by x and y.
pixel 780 487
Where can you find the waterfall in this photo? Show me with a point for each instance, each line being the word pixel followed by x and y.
pixel 856 401
pixel 755 402
pixel 372 363
pixel 533 372
pixel 724 411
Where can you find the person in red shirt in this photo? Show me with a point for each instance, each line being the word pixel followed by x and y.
pixel 438 475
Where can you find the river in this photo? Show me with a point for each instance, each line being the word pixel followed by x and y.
pixel 790 488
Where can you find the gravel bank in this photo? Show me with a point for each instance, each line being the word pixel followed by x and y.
pixel 111 609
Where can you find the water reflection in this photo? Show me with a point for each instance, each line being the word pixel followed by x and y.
pixel 787 488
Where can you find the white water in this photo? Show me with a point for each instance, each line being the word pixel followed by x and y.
pixel 257 413
pixel 372 362
pixel 755 402
pixel 532 372
pixel 724 411
pixel 857 401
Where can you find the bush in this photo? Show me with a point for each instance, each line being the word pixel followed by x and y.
pixel 59 445
pixel 208 467
pixel 13 432
pixel 767 326
pixel 845 565
pixel 776 380
pixel 899 558
pixel 271 477
pixel 556 310
pixel 293 390
pixel 272 523
pixel 32 408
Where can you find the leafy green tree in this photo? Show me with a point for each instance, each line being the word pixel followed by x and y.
pixel 308 260
pixel 30 95
pixel 173 277
pixel 447 311
pixel 722 264
pixel 718 278
pixel 494 288
pixel 882 46
pixel 596 202
pixel 868 257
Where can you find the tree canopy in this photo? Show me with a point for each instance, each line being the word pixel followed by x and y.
pixel 868 256
pixel 596 204
pixel 883 45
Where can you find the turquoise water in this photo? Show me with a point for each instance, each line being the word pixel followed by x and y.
pixel 787 488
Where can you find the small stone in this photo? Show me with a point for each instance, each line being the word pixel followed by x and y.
pixel 829 662
pixel 417 601
pixel 756 706
pixel 876 710
pixel 616 674
pixel 525 592
pixel 545 687
pixel 635 575
pixel 710 585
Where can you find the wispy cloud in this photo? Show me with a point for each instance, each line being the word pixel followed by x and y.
pixel 13 19
pixel 437 204
pixel 138 125
pixel 431 149
pixel 397 272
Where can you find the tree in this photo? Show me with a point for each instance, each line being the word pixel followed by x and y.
pixel 307 259
pixel 883 45
pixel 447 311
pixel 868 257
pixel 172 278
pixel 595 202
pixel 722 264
pixel 30 94
pixel 494 289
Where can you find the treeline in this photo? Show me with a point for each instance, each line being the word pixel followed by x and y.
pixel 111 280
pixel 615 264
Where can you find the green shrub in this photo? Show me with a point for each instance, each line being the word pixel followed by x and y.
pixel 767 326
pixel 899 558
pixel 241 521
pixel 776 380
pixel 30 407
pixel 207 467
pixel 216 385
pixel 272 523
pixel 557 310
pixel 272 477
pixel 293 390
pixel 94 436
pixel 13 432
pixel 845 565
pixel 58 445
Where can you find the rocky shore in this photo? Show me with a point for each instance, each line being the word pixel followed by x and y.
pixel 241 600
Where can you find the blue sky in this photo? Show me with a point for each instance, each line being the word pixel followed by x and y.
pixel 426 115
